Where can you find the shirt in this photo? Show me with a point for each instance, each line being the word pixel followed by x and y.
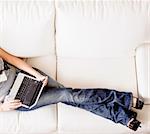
pixel 3 76
pixel 7 79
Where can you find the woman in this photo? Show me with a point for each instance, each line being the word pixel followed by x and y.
pixel 110 104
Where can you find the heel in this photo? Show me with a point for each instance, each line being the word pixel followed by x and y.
pixel 139 103
pixel 134 124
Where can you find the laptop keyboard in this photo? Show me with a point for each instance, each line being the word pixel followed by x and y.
pixel 28 91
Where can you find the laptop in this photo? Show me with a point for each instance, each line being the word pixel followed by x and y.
pixel 27 89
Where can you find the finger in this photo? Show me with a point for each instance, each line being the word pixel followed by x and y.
pixel 45 81
pixel 14 101
pixel 14 106
pixel 45 78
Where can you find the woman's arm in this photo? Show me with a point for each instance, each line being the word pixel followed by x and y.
pixel 17 62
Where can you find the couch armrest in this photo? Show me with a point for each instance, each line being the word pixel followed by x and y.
pixel 143 71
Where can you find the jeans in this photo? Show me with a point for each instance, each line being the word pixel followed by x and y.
pixel 110 104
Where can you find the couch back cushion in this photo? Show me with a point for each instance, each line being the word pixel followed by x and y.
pixel 96 42
pixel 27 27
pixel 100 28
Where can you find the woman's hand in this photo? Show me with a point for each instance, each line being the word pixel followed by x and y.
pixel 44 79
pixel 10 105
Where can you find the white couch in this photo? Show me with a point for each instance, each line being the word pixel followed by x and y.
pixel 81 44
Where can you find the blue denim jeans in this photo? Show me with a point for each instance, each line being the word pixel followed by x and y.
pixel 107 103
pixel 110 104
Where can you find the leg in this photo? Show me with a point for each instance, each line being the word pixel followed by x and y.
pixel 107 103
pixel 102 102
pixel 83 97
pixel 48 96
pixel 101 96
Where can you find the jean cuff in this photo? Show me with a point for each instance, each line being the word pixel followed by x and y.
pixel 131 101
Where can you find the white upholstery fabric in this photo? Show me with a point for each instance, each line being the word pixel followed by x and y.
pixel 44 63
pixel 115 73
pixel 27 27
pixel 143 71
pixel 100 28
pixel 144 116
pixel 40 121
pixel 8 122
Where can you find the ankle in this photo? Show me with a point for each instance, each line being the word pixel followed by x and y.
pixel 134 101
